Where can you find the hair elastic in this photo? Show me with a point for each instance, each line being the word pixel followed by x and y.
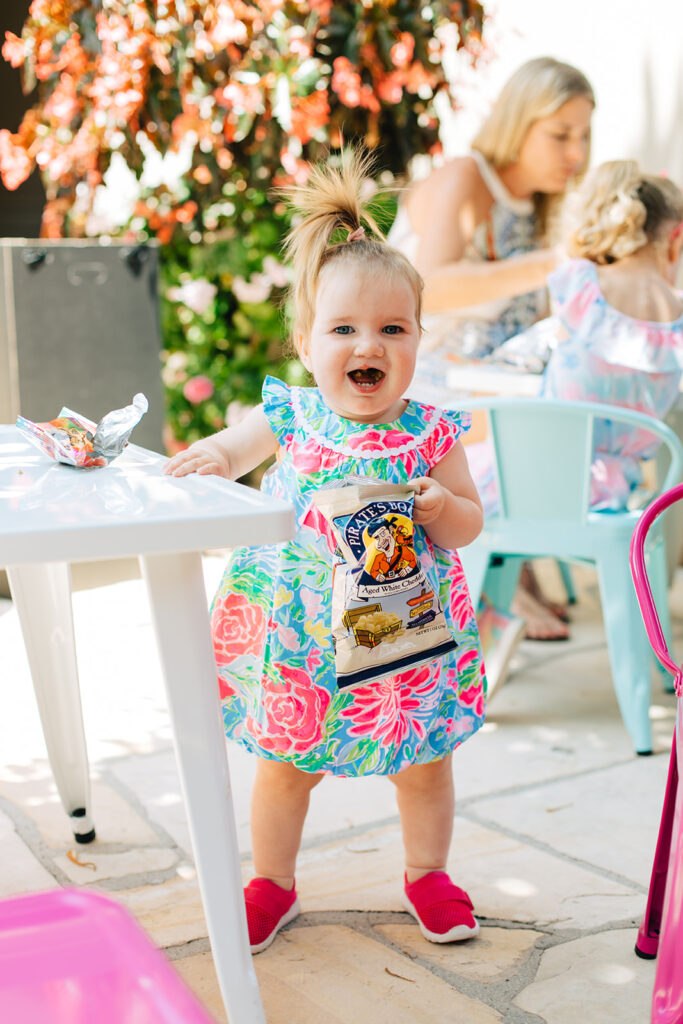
pixel 356 235
pixel 676 231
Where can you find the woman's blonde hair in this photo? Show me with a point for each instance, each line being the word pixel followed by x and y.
pixel 617 210
pixel 332 201
pixel 537 89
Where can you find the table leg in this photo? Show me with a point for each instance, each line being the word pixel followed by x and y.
pixel 42 597
pixel 177 596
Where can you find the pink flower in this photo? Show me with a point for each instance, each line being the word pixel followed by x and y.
pixel 15 163
pixel 256 289
pixel 294 712
pixel 390 88
pixel 402 51
pixel 346 82
pixel 196 295
pixel 238 628
pixel 13 50
pixel 473 696
pixel 388 710
pixel 198 389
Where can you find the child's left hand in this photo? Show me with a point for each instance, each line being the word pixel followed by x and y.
pixel 429 500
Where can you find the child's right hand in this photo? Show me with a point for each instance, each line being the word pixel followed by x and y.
pixel 205 457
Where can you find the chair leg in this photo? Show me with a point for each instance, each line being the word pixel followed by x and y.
pixel 567 581
pixel 629 650
pixel 502 579
pixel 658 574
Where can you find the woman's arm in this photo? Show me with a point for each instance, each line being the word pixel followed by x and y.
pixel 444 212
pixel 230 453
pixel 448 505
pixel 456 285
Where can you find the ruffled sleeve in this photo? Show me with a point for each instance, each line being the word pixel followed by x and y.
pixel 573 289
pixel 450 425
pixel 277 405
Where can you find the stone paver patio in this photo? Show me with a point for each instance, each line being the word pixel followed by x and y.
pixel 554 836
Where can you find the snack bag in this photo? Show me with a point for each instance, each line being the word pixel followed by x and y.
pixel 386 615
pixel 77 442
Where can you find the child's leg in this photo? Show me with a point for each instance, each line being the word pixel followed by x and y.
pixel 426 804
pixel 279 802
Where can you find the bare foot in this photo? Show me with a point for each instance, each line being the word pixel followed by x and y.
pixel 541 624
pixel 528 580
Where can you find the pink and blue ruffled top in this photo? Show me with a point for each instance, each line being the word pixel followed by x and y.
pixel 614 358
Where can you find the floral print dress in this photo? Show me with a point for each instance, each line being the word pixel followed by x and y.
pixel 271 617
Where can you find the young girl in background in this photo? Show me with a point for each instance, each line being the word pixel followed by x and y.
pixel 620 321
pixel 357 329
pixel 617 326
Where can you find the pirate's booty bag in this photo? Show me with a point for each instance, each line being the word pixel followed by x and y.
pixel 386 615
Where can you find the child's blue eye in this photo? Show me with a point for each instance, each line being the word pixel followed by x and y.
pixel 343 329
pixel 392 329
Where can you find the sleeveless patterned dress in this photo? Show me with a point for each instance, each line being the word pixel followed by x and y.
pixel 271 616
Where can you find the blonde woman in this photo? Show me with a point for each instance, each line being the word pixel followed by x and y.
pixel 476 229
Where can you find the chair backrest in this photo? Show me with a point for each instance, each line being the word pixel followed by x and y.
pixel 544 449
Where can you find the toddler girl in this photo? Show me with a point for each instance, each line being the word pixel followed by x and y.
pixel 357 328
pixel 620 321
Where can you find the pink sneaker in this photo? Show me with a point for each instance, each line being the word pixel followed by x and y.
pixel 269 908
pixel 442 910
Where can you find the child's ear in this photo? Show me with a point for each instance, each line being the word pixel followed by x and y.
pixel 304 352
pixel 675 245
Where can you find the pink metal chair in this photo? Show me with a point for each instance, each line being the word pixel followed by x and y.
pixel 661 931
pixel 71 956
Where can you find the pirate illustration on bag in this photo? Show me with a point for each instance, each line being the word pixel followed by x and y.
pixel 391 552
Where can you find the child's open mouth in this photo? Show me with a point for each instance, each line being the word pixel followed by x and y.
pixel 367 379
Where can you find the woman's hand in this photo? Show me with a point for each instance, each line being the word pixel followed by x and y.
pixel 205 457
pixel 429 501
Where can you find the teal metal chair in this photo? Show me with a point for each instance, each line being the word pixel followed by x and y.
pixel 543 451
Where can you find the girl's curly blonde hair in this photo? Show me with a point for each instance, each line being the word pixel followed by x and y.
pixel 335 203
pixel 617 210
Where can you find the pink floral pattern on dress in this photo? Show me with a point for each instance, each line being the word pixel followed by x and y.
pixel 239 629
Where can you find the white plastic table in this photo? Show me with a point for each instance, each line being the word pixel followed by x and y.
pixel 52 515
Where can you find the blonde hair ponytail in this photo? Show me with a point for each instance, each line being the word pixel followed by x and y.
pixel 617 210
pixel 333 201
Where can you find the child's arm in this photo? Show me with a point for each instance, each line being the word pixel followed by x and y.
pixel 448 505
pixel 230 453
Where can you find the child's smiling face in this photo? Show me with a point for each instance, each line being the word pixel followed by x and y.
pixel 363 342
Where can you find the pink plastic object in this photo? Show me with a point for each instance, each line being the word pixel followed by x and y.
pixel 71 956
pixel 661 931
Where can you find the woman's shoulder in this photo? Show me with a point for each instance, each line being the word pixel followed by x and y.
pixel 452 184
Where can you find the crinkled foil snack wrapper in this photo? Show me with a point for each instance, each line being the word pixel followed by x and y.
pixel 72 439
pixel 386 613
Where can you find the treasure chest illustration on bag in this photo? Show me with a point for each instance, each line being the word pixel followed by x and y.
pixel 386 615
